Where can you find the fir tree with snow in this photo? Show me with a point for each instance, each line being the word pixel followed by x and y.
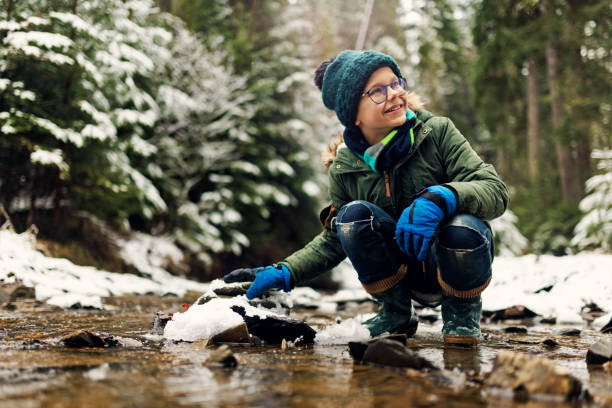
pixel 595 228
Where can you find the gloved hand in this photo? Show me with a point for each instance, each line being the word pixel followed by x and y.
pixel 270 277
pixel 242 275
pixel 418 222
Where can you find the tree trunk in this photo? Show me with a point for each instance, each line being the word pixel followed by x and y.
pixel 533 119
pixel 9 10
pixel 364 26
pixel 564 158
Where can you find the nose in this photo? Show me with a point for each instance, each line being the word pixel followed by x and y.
pixel 392 92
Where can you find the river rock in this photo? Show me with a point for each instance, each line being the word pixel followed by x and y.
pixel 513 312
pixel 391 353
pixel 608 327
pixel 600 352
pixel 160 321
pixel 515 329
pixel 528 375
pixel 571 332
pixel 223 357
pixel 233 289
pixel 10 292
pixel 86 338
pixel 273 329
pixel 236 334
pixel 358 348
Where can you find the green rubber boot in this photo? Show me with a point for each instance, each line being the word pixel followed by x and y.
pixel 461 318
pixel 396 314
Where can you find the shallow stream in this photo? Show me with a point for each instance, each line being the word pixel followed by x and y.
pixel 36 371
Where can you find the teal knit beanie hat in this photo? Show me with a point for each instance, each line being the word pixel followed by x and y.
pixel 346 76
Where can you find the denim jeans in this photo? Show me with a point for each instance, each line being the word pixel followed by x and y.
pixel 462 248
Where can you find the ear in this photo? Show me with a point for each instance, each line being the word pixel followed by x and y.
pixel 357 122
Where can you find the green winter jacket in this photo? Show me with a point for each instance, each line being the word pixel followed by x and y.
pixel 440 155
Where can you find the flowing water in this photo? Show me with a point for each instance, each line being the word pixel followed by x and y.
pixel 36 371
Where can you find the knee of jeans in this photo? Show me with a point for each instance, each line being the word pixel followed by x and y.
pixel 464 231
pixel 357 210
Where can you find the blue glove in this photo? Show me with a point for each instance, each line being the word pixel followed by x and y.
pixel 418 222
pixel 270 277
pixel 242 275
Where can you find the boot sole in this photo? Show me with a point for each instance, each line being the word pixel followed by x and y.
pixel 460 339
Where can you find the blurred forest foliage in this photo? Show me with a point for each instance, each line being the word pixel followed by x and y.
pixel 199 119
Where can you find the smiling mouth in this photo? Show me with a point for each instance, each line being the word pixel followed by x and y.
pixel 394 108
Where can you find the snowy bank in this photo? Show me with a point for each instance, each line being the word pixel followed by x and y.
pixel 62 283
pixel 552 286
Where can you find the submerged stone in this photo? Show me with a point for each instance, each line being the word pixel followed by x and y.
pixel 223 357
pixel 600 352
pixel 390 353
pixel 528 375
pixel 273 329
pixel 86 338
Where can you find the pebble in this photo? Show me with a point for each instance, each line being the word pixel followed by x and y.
pixel 600 352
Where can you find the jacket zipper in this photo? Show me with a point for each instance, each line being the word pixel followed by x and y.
pixel 388 188
pixel 387 184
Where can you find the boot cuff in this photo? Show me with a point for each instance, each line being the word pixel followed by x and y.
pixel 387 283
pixel 459 289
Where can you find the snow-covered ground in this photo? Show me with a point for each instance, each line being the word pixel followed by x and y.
pixel 62 283
pixel 550 286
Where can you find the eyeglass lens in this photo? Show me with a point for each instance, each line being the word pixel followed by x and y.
pixel 379 94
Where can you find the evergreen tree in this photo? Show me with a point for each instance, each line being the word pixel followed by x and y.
pixel 595 228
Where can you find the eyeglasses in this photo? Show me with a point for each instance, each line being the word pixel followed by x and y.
pixel 378 94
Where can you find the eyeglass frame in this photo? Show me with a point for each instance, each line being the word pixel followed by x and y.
pixel 399 81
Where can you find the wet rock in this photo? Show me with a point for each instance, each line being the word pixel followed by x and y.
pixel 160 321
pixel 515 329
pixel 513 312
pixel 203 299
pixel 86 338
pixel 32 344
pixel 591 311
pixel 273 329
pixel 600 352
pixel 278 307
pixel 223 357
pixel 236 334
pixel 233 289
pixel 608 327
pixel 550 343
pixel 532 375
pixel 10 292
pixel 358 348
pixel 387 352
pixel 568 332
pixel 548 320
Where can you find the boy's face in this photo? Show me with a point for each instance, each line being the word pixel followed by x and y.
pixel 377 120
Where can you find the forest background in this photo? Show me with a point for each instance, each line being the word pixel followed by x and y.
pixel 198 120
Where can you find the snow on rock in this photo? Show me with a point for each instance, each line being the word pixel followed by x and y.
pixel 213 317
pixel 576 281
pixel 343 332
pixel 62 283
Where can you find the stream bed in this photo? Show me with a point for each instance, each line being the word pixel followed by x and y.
pixel 149 371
